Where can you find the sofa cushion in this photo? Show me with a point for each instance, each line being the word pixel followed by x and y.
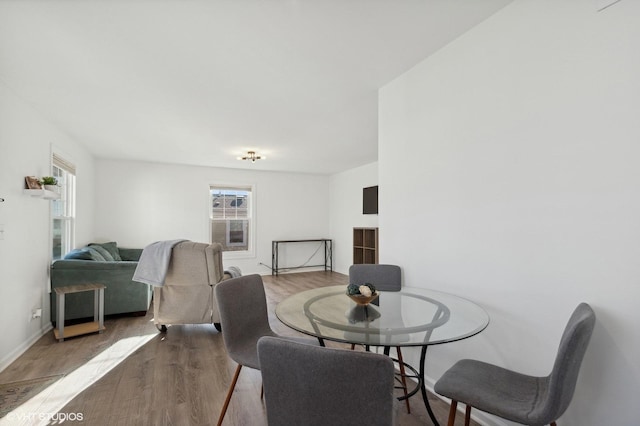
pixel 85 253
pixel 103 251
pixel 96 255
pixel 111 248
pixel 79 254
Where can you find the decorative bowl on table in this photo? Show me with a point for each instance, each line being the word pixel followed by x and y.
pixel 362 294
pixel 363 300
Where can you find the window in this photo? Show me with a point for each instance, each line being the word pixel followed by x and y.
pixel 63 210
pixel 231 217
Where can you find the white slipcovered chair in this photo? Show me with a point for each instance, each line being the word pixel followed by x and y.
pixel 187 296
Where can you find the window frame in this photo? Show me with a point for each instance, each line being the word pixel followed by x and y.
pixel 68 201
pixel 251 219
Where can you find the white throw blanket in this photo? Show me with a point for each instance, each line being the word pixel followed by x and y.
pixel 154 262
pixel 234 271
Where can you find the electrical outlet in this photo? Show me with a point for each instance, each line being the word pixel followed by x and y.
pixel 36 313
pixel 1 231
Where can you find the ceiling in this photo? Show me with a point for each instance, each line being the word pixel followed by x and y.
pixel 201 82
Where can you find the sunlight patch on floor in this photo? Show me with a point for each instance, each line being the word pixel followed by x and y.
pixel 44 408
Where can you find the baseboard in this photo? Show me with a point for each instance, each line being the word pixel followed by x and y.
pixel 15 354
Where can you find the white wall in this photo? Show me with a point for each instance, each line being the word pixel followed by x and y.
pixel 26 141
pixel 139 203
pixel 518 144
pixel 346 211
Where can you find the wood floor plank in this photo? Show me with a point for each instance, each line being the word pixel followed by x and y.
pixel 179 377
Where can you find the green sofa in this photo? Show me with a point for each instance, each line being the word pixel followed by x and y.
pixel 114 269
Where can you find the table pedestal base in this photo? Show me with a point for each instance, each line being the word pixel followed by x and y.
pixel 425 397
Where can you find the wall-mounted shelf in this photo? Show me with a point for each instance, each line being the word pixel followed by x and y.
pixel 365 245
pixel 42 193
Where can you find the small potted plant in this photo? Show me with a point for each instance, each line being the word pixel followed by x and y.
pixel 50 183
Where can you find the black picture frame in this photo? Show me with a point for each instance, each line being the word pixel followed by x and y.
pixel 370 200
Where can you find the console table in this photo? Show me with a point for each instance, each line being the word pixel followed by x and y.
pixel 328 254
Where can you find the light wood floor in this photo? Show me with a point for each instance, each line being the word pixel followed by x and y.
pixel 176 378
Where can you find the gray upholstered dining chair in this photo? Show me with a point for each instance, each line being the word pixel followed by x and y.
pixel 529 400
pixel 318 386
pixel 244 320
pixel 384 278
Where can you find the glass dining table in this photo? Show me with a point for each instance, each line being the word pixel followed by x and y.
pixel 412 317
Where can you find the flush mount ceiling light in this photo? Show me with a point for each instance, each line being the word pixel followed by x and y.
pixel 251 155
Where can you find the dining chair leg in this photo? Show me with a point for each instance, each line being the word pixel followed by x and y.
pixel 467 415
pixel 403 378
pixel 229 393
pixel 452 412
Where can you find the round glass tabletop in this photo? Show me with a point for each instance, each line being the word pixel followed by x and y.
pixel 410 317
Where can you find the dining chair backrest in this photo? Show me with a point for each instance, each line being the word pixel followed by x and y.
pixel 317 386
pixel 243 317
pixel 561 382
pixel 518 397
pixel 383 277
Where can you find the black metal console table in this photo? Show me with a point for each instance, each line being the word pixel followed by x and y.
pixel 328 254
